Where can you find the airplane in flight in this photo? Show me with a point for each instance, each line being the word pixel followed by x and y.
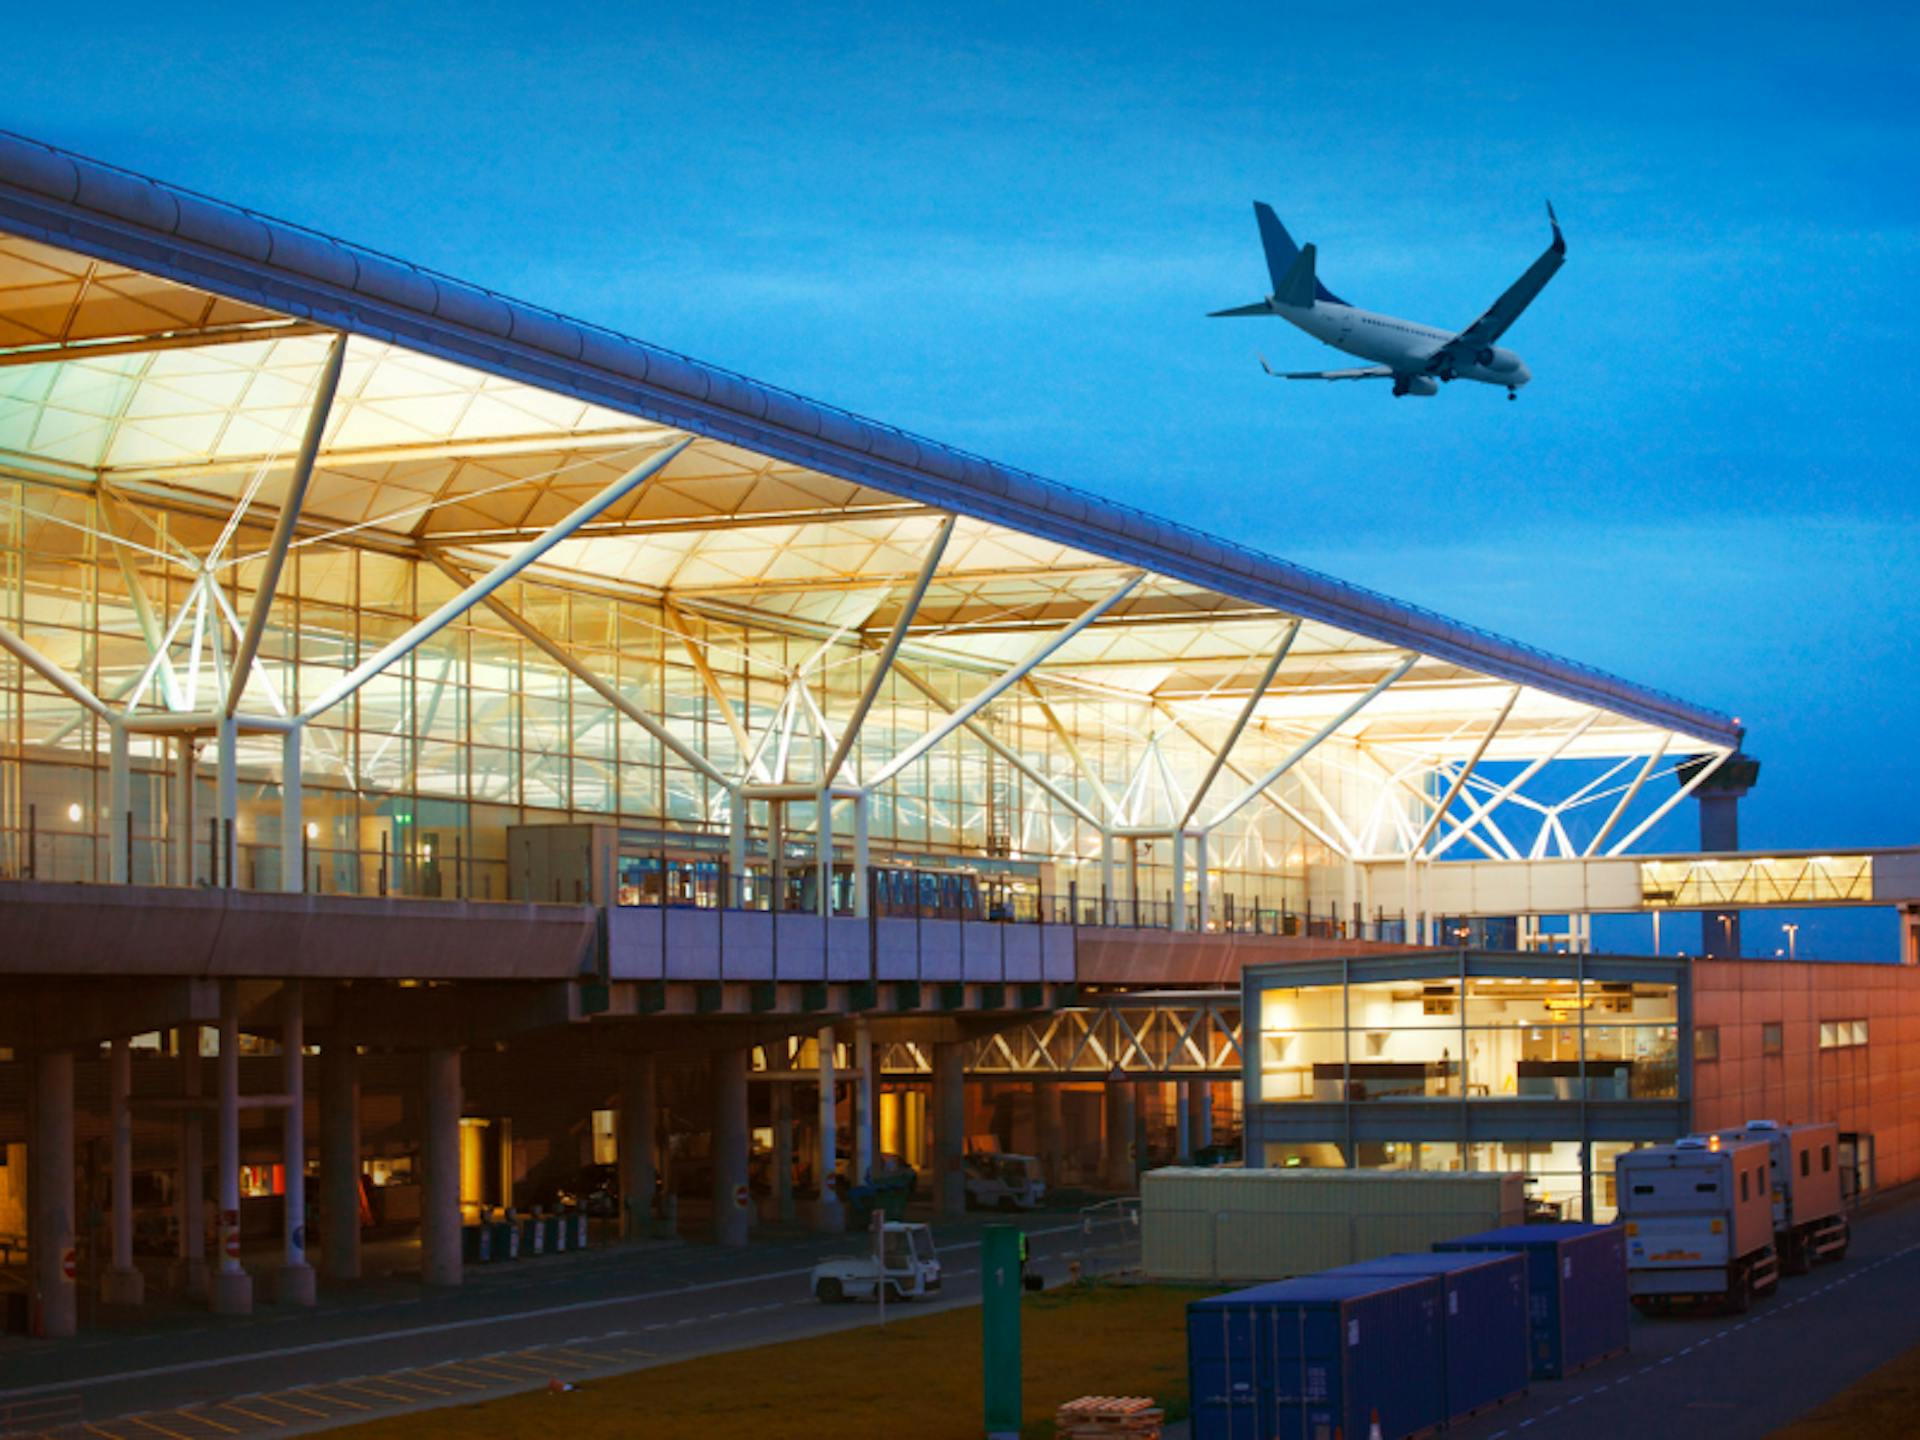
pixel 1417 358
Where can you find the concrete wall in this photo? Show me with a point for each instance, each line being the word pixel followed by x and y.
pixel 1872 1088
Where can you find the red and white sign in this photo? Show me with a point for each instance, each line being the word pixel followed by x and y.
pixel 742 1197
pixel 233 1244
pixel 69 1262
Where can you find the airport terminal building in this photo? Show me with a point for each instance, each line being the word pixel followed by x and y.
pixel 444 744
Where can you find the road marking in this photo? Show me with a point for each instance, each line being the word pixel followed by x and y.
pixel 359 1387
pixel 252 1414
pixel 157 1429
pixel 553 1354
pixel 433 1372
pixel 201 1418
pixel 320 1394
pixel 281 1399
pixel 406 1381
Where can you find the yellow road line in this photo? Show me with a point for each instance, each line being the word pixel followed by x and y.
pixel 360 1386
pixel 157 1429
pixel 240 1409
pixel 553 1355
pixel 317 1393
pixel 433 1371
pixel 408 1382
pixel 511 1365
pixel 99 1431
pixel 279 1398
pixel 200 1417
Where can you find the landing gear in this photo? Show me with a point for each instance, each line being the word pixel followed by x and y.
pixel 1512 394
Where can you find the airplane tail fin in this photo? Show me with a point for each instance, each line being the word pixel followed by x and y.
pixel 1274 239
pixel 1283 257
pixel 1296 286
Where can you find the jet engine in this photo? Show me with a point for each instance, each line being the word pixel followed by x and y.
pixel 1499 361
pixel 1415 385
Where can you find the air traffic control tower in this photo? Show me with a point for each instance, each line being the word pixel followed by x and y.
pixel 1719 794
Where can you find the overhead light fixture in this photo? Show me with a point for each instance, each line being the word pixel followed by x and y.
pixel 74 812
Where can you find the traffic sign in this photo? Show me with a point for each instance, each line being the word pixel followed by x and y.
pixel 233 1244
pixel 742 1197
pixel 69 1262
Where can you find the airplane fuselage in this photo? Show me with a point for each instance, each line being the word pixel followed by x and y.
pixel 1405 345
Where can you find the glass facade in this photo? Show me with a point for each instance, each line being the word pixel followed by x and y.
pixel 1505 1038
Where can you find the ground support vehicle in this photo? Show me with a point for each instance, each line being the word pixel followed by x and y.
pixel 906 1265
pixel 1809 1217
pixel 1004 1182
pixel 1699 1220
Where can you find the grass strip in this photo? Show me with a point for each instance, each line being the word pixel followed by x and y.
pixel 1882 1402
pixel 921 1376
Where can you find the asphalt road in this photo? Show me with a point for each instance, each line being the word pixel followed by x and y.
pixel 512 1326
pixel 1740 1377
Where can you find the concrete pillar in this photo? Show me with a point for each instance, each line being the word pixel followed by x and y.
pixel 1200 1113
pixel 862 1100
pixel 231 1289
pixel 1719 796
pixel 1119 1151
pixel 119 802
pixel 1048 1132
pixel 949 1129
pixel 503 1157
pixel 293 830
pixel 736 895
pixel 1183 1122
pixel 639 1115
pixel 193 1170
pixel 732 1200
pixel 340 1159
pixel 783 1206
pixel 295 1283
pixel 50 1196
pixel 829 1216
pixel 122 1284
pixel 823 851
pixel 440 1151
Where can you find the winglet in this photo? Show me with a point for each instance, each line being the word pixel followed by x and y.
pixel 1265 366
pixel 1559 240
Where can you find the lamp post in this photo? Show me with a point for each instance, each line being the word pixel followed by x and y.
pixel 1726 932
pixel 1793 932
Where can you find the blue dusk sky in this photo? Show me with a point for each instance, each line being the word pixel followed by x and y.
pixel 1002 226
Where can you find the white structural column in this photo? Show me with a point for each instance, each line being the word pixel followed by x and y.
pixel 487 584
pixel 828 1217
pixel 1202 886
pixel 732 1196
pixel 1178 840
pixel 1005 680
pixel 193 1169
pixel 268 581
pixel 862 1100
pixel 1254 697
pixel 639 1115
pixel 1109 901
pixel 1460 780
pixel 180 810
pixel 884 662
pixel 340 1157
pixel 862 854
pixel 119 803
pixel 295 1284
pixel 823 853
pixel 227 805
pixel 293 830
pixel 1306 747
pixel 50 1196
pixel 122 1284
pixel 440 1199
pixel 230 1286
pixel 949 1128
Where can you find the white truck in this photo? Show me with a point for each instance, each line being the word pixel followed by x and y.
pixel 1809 1218
pixel 997 1181
pixel 1699 1221
pixel 906 1264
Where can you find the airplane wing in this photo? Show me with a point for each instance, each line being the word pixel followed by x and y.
pixel 1504 311
pixel 1362 372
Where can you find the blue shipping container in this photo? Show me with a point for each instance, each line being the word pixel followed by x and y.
pixel 1577 1289
pixel 1308 1358
pixel 1483 1325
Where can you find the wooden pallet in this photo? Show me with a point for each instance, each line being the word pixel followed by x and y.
pixel 1109 1417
